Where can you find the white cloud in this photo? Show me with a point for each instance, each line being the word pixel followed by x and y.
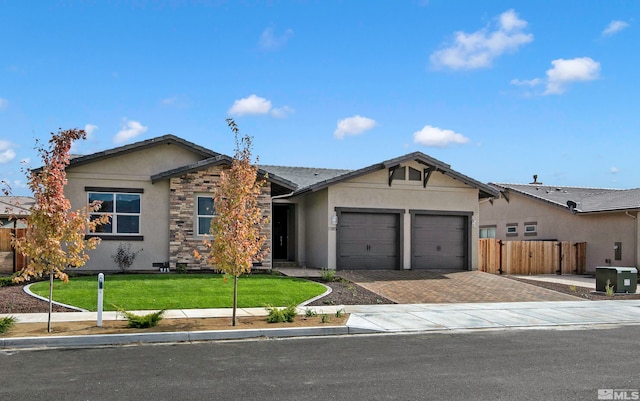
pixel 614 170
pixel 250 105
pixel 614 27
pixel 254 105
pixel 353 126
pixel 480 48
pixel 130 129
pixel 90 129
pixel 270 41
pixel 6 152
pixel 3 103
pixel 526 82
pixel 282 112
pixel 437 137
pixel 566 71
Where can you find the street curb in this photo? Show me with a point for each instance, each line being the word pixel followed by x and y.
pixel 172 337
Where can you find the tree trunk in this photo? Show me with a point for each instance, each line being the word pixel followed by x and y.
pixel 50 300
pixel 235 299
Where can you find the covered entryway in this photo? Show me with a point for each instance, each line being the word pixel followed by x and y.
pixel 282 226
pixel 439 242
pixel 368 239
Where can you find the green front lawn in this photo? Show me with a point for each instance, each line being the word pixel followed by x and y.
pixel 180 291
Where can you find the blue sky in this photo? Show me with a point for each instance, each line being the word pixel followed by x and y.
pixel 500 90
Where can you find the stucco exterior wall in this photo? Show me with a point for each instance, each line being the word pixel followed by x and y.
pixel 372 191
pixel 316 227
pixel 132 170
pixel 600 231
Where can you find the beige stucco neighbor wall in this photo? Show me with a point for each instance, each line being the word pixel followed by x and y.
pixel 442 193
pixel 184 239
pixel 600 231
pixel 132 170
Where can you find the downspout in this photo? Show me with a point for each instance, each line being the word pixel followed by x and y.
pixel 500 258
pixel 15 263
pixel 635 232
pixel 559 271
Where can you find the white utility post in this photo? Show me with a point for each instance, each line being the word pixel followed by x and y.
pixel 100 297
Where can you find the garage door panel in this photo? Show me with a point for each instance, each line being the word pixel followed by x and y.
pixel 368 240
pixel 439 242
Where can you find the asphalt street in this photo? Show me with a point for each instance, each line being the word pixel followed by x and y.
pixel 516 364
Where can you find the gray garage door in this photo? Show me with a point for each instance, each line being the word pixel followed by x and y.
pixel 439 242
pixel 368 241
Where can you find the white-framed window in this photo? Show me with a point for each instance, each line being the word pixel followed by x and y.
pixel 123 210
pixel 488 232
pixel 205 212
pixel 531 228
pixel 512 229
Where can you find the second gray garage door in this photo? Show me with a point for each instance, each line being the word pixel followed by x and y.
pixel 439 242
pixel 368 240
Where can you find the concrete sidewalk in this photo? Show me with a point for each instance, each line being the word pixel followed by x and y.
pixel 363 319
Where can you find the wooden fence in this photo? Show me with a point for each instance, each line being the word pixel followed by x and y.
pixel 7 255
pixel 531 257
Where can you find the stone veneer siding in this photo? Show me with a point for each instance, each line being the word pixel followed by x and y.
pixel 183 238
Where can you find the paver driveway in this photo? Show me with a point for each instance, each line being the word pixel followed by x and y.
pixel 417 287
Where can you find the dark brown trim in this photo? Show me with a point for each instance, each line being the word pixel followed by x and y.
pixel 115 189
pixel 110 237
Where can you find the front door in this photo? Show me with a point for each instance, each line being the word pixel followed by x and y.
pixel 280 231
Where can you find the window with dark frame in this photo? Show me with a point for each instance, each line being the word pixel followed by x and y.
pixel 415 175
pixel 205 213
pixel 123 210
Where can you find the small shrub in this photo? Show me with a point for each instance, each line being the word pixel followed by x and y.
pixel 310 312
pixel 609 288
pixel 328 275
pixel 6 323
pixel 281 315
pixel 324 318
pixel 181 268
pixel 124 256
pixel 142 321
pixel 339 313
pixel 572 288
pixel 6 281
pixel 352 289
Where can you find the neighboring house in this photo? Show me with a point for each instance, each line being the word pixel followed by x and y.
pixel 606 219
pixel 13 212
pixel 412 212
pixel 14 209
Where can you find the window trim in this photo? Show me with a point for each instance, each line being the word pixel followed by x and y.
pixel 495 229
pixel 528 225
pixel 114 214
pixel 198 216
pixel 514 228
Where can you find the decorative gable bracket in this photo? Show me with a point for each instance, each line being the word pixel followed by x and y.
pixel 392 170
pixel 427 175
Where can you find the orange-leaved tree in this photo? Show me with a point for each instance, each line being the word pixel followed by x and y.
pixel 236 228
pixel 55 237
